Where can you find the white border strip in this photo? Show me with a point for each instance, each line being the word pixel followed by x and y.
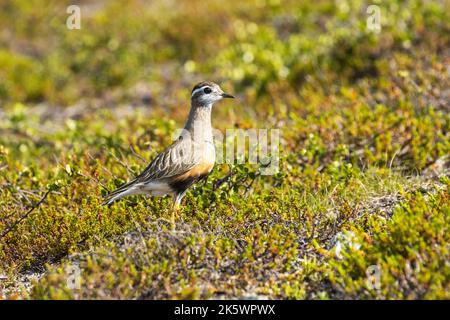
pixel 197 90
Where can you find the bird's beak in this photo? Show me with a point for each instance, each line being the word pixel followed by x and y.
pixel 226 95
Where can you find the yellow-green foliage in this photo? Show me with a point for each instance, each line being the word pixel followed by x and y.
pixel 411 252
pixel 365 141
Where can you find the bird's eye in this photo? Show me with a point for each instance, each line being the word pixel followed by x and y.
pixel 207 90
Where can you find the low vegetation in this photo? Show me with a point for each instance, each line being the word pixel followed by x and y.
pixel 360 206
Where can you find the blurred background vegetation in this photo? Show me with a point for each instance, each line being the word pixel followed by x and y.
pixel 364 120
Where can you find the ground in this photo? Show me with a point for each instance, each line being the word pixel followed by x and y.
pixel 360 206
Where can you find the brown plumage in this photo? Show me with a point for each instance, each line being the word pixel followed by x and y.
pixel 190 158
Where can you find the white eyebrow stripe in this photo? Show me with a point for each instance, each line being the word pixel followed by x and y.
pixel 197 90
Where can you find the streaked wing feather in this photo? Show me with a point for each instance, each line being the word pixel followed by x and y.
pixel 177 159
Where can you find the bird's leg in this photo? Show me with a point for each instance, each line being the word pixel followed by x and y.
pixel 176 206
pixel 205 179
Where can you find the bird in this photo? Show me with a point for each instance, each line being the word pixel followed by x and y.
pixel 189 159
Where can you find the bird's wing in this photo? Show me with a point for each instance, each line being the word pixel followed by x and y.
pixel 177 159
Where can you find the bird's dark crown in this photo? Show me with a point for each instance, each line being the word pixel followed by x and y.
pixel 203 83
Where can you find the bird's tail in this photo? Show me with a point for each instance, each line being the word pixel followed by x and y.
pixel 126 189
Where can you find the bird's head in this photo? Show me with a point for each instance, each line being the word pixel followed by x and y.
pixel 206 93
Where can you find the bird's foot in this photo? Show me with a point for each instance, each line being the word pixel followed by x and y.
pixel 169 222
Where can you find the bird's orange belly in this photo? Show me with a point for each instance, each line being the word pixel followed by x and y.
pixel 199 170
pixel 183 181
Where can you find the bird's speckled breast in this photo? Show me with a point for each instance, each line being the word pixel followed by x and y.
pixel 202 169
